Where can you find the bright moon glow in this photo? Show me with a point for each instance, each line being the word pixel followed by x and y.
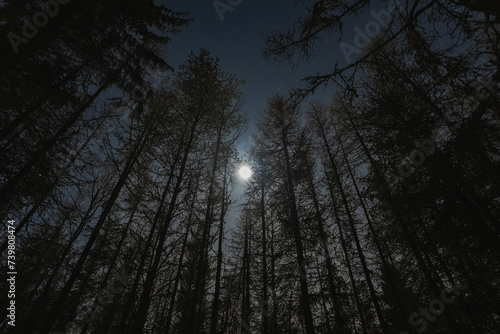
pixel 245 172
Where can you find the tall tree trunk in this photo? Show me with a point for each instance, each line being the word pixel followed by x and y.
pixel 357 242
pixel 145 299
pixel 305 303
pixel 265 303
pixel 215 305
pixel 323 304
pixel 433 281
pixel 110 314
pixel 133 157
pixel 402 313
pixel 181 259
pixel 144 254
pixel 274 327
pixel 201 270
pixel 340 324
pixel 245 299
pixel 343 244
pixel 37 309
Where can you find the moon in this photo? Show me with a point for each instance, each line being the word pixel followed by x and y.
pixel 245 172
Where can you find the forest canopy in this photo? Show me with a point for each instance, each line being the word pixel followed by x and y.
pixel 374 211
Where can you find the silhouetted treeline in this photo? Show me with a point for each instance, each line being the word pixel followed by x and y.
pixel 375 212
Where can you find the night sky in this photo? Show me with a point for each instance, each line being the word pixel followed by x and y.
pixel 238 41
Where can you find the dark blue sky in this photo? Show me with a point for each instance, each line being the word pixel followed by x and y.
pixel 238 42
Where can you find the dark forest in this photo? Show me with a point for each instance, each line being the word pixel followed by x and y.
pixel 374 209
